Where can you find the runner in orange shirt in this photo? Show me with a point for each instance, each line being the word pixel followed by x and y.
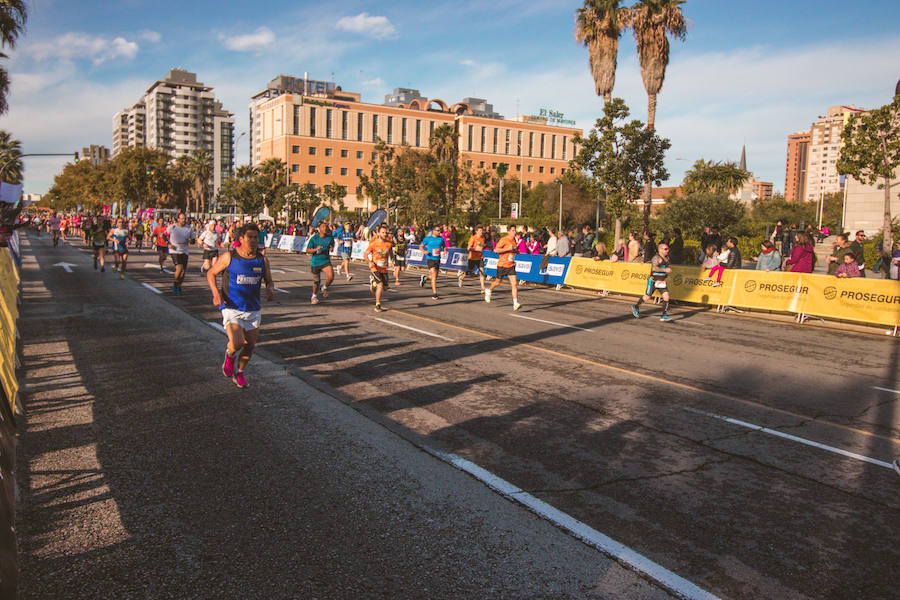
pixel 506 265
pixel 378 255
pixel 476 260
pixel 161 238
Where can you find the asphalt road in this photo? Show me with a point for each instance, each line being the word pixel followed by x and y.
pixel 648 432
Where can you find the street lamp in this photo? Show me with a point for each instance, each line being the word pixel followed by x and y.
pixel 559 181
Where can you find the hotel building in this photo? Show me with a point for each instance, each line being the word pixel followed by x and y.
pixel 325 135
pixel 795 167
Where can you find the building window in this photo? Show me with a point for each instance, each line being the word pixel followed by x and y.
pixel 496 134
pixel 328 151
pixel 562 171
pixel 529 184
pixel 468 163
pixel 296 119
pixel 328 112
pixel 430 130
pixel 343 153
pixel 295 168
pixel 358 190
pixel 312 150
pixel 518 167
pixel 530 168
pixel 481 164
pixel 328 170
pixel 359 154
pixel 507 142
pixel 564 148
pixel 542 145
pixel 493 165
pixel 359 126
pixel 519 144
pixel 553 146
pixel 374 156
pixel 402 131
pixel 344 126
pixel 471 135
pixel 482 138
pixel 541 169
pixel 312 168
pixel 552 170
pixel 418 132
pixel 295 149
pixel 530 143
pixel 390 128
pixel 343 170
pixel 374 128
pixel 359 172
pixel 312 121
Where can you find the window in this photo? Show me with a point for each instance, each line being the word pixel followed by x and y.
pixel 344 127
pixel 328 170
pixel 493 165
pixel 542 145
pixel 529 184
pixel 312 150
pixel 358 190
pixel 344 153
pixel 418 132
pixel 468 163
pixel 295 168
pixel 358 172
pixel 328 112
pixel 518 167
pixel 390 128
pixel 507 142
pixel 430 129
pixel 519 146
pixel 553 146
pixel 482 138
pixel 530 143
pixel 343 170
pixel 359 127
pixel 312 168
pixel 541 169
pixel 374 127
pixel 471 135
pixel 481 164
pixel 496 133
pixel 359 154
pixel 374 155
pixel 402 131
pixel 312 121
pixel 564 148
pixel 297 119
pixel 530 168
pixel 552 170
pixel 328 151
pixel 295 149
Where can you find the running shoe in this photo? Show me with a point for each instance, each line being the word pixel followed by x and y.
pixel 422 281
pixel 324 292
pixel 634 311
pixel 482 290
pixel 896 464
pixel 121 275
pixel 378 308
pixel 435 297
pixel 349 276
pixel 517 306
pixel 103 269
pixel 239 379
pixel 487 296
pixel 337 269
pixel 459 281
pixel 665 318
pixel 717 284
pixel 314 299
pixel 95 265
pixel 228 366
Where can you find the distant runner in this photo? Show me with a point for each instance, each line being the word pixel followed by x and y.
pixel 118 235
pixel 506 266
pixel 160 237
pixel 209 242
pixel 400 247
pixel 345 239
pixel 432 245
pixel 239 302
pixel 319 246
pixel 180 238
pixel 96 233
pixel 53 226
pixel 476 259
pixel 659 271
pixel 378 255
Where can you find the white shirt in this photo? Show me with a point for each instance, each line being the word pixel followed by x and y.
pixel 180 238
pixel 209 239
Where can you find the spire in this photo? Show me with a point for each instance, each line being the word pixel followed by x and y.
pixel 743 164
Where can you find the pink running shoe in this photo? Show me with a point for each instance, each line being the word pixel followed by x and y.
pixel 228 366
pixel 239 379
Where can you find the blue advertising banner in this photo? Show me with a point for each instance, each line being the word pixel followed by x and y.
pixel 273 240
pixel 452 258
pixel 528 268
pixel 299 243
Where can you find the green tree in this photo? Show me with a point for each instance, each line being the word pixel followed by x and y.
pixel 334 195
pixel 199 173
pixel 871 153
pixel 444 146
pixel 271 177
pixel 714 177
pixel 652 21
pixel 621 156
pixel 693 212
pixel 11 166
pixel 309 198
pixel 598 26
pixel 774 209
pixel 13 14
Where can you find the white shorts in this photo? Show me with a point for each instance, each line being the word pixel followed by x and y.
pixel 246 319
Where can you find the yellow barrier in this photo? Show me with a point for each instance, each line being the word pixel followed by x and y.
pixel 858 299
pixel 9 313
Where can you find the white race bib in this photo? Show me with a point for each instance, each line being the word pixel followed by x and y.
pixel 660 285
pixel 381 263
pixel 436 252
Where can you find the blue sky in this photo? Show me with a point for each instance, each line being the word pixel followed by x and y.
pixel 749 72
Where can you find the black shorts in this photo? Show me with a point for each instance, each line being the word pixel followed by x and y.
pixel 122 252
pixel 162 249
pixel 210 254
pixel 381 278
pixel 98 246
pixel 399 261
pixel 180 258
pixel 475 265
pixel 315 270
pixel 434 264
pixel 506 272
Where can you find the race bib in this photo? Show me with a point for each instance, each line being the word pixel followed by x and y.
pixel 348 243
pixel 660 285
pixel 436 252
pixel 381 263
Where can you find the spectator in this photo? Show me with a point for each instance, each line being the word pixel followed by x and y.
pixel 715 238
pixel 533 246
pixel 802 255
pixel 859 251
pixel 619 254
pixel 649 248
pixel 769 259
pixel 551 245
pixel 824 233
pixel 676 248
pixel 521 244
pixel 634 248
pixel 849 268
pixel 776 235
pixel 704 243
pixel 787 241
pixel 735 260
pixel 453 237
pixel 894 272
pixel 708 257
pixel 722 260
pixel 599 252
pixel 562 244
pixel 841 248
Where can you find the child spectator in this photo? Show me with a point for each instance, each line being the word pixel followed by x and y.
pixel 848 268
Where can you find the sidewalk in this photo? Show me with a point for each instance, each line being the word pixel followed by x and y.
pixel 145 473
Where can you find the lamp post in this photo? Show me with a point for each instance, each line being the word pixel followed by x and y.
pixel 559 181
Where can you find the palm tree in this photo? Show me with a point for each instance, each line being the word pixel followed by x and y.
pixel 652 21
pixel 13 14
pixel 200 172
pixel 10 158
pixel 598 25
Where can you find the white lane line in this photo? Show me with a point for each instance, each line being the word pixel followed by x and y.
pixel 549 322
pixel 278 289
pixel 793 438
pixel 216 326
pixel 414 329
pixel 875 387
pixel 151 288
pixel 277 271
pixel 622 553
pixel 294 270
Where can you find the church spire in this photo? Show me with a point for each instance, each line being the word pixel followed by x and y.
pixel 743 164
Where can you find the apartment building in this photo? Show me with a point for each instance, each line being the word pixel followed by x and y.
pixel 96 154
pixel 325 135
pixel 179 115
pixel 795 166
pixel 824 150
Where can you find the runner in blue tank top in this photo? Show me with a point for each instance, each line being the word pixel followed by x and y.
pixel 245 268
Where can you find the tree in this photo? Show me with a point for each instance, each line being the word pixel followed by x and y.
pixel 334 195
pixel 652 21
pixel 444 146
pixel 13 14
pixel 11 166
pixel 693 212
pixel 598 26
pixel 199 173
pixel 271 176
pixel 621 156
pixel 714 177
pixel 871 152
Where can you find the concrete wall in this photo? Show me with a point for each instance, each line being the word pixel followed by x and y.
pixel 865 205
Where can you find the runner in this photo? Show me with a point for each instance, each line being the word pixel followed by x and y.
pixel 319 246
pixel 180 238
pixel 506 266
pixel 432 245
pixel 476 259
pixel 345 239
pixel 400 246
pixel 96 232
pixel 119 238
pixel 64 227
pixel 239 302
pixel 378 256
pixel 53 226
pixel 209 241
pixel 659 271
pixel 137 232
pixel 160 237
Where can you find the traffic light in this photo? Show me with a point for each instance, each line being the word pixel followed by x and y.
pixel 76 158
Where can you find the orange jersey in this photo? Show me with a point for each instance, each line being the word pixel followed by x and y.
pixel 476 245
pixel 506 248
pixel 379 252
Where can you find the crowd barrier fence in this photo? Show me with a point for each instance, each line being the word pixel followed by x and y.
pixel 9 390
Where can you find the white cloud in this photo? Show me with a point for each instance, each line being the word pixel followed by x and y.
pixel 467 62
pixel 75 45
pixel 377 27
pixel 377 82
pixel 150 36
pixel 250 42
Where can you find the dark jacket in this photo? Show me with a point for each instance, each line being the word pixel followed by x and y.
pixel 734 259
pixel 676 250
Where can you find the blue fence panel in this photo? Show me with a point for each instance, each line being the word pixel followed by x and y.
pixel 528 268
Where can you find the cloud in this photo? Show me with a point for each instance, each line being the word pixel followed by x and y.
pixel 150 36
pixel 377 82
pixel 467 62
pixel 75 45
pixel 379 28
pixel 251 42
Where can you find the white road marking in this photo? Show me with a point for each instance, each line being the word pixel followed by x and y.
pixel 414 329
pixel 156 266
pixel 875 387
pixel 151 288
pixel 293 270
pixel 216 326
pixel 282 291
pixel 277 271
pixel 622 553
pixel 66 266
pixel 793 438
pixel 549 322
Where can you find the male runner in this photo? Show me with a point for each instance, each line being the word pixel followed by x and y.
pixel 137 231
pixel 180 238
pixel 319 246
pixel 118 235
pixel 345 239
pixel 209 241
pixel 659 271
pixel 476 260
pixel 432 245
pixel 64 227
pixel 53 226
pixel 239 302
pixel 160 235
pixel 400 246
pixel 506 265
pixel 378 256
pixel 97 233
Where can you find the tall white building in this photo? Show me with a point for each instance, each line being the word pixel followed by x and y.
pixel 824 151
pixel 179 115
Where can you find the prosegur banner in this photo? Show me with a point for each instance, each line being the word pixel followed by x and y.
pixel 854 299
